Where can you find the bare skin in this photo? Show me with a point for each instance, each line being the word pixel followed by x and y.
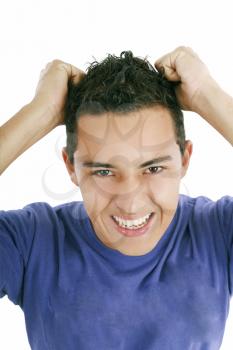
pixel 41 115
pixel 129 188
pixel 198 92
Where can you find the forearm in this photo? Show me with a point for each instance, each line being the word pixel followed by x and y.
pixel 25 128
pixel 216 107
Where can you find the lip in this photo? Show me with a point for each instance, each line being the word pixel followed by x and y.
pixel 134 232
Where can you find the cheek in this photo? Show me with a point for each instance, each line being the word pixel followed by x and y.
pixel 165 183
pixel 164 192
pixel 104 188
pixel 94 197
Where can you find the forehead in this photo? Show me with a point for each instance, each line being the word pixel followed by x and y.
pixel 143 130
pixel 154 122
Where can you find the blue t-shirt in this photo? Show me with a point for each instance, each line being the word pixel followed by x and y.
pixel 78 294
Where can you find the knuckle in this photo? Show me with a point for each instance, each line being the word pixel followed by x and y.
pixel 51 65
pixel 182 48
pixel 56 61
pixel 185 49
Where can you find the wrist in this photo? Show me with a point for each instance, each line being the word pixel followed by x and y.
pixel 47 113
pixel 216 106
pixel 206 98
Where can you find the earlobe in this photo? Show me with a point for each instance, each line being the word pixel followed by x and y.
pixel 74 179
pixel 69 166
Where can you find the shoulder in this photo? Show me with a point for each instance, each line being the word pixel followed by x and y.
pixel 204 202
pixel 40 213
pixel 205 210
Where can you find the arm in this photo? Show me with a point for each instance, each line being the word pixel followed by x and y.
pixel 25 128
pixel 41 115
pixel 216 107
pixel 198 91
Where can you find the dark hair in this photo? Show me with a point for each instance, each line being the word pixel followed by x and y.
pixel 120 85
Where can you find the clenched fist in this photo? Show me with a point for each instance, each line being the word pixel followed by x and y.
pixel 184 65
pixel 52 87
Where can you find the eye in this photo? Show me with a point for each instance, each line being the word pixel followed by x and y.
pixel 107 173
pixel 101 173
pixel 154 170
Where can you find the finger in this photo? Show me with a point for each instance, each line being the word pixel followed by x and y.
pixel 166 68
pixel 168 62
pixel 73 72
pixel 76 73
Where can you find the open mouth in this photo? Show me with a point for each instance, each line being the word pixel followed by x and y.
pixel 132 224
pixel 133 227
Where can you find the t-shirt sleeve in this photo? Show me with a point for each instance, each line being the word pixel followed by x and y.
pixel 17 229
pixel 225 217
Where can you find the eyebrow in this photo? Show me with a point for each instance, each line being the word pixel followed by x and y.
pixel 112 166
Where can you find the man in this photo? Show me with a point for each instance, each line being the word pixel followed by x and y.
pixel 135 265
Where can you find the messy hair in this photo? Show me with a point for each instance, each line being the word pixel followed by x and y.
pixel 120 85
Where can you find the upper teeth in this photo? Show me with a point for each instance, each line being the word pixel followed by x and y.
pixel 130 223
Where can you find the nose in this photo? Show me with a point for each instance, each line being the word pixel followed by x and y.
pixel 131 198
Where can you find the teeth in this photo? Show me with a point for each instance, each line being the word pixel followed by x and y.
pixel 132 223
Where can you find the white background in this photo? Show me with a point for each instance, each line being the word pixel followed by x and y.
pixel 33 33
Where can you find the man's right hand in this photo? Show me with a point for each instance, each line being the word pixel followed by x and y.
pixel 52 87
pixel 41 115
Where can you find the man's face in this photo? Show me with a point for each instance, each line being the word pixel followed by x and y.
pixel 129 167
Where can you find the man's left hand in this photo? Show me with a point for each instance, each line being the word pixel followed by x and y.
pixel 184 65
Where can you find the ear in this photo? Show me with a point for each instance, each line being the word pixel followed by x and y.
pixel 186 157
pixel 69 166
